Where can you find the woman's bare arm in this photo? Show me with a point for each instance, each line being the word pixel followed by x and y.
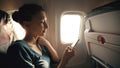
pixel 54 55
pixel 67 55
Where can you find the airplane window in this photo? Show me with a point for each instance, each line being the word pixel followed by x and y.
pixel 69 28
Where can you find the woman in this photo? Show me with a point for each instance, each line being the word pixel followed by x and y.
pixel 34 51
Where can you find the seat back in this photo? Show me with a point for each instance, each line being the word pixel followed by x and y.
pixel 102 35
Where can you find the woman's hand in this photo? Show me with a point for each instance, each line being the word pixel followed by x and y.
pixel 42 41
pixel 68 54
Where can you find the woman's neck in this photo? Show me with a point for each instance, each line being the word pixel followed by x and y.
pixel 30 39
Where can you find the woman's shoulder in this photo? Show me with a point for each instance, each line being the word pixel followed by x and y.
pixel 18 44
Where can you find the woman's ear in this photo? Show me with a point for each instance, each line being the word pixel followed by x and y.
pixel 25 24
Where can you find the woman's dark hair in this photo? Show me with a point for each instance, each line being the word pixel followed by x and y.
pixel 26 12
pixel 4 15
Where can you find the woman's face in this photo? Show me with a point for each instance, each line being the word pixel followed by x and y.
pixel 38 24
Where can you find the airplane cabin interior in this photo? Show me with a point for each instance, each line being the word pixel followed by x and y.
pixel 91 27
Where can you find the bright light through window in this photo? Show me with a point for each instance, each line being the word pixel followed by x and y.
pixel 16 27
pixel 19 31
pixel 69 28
